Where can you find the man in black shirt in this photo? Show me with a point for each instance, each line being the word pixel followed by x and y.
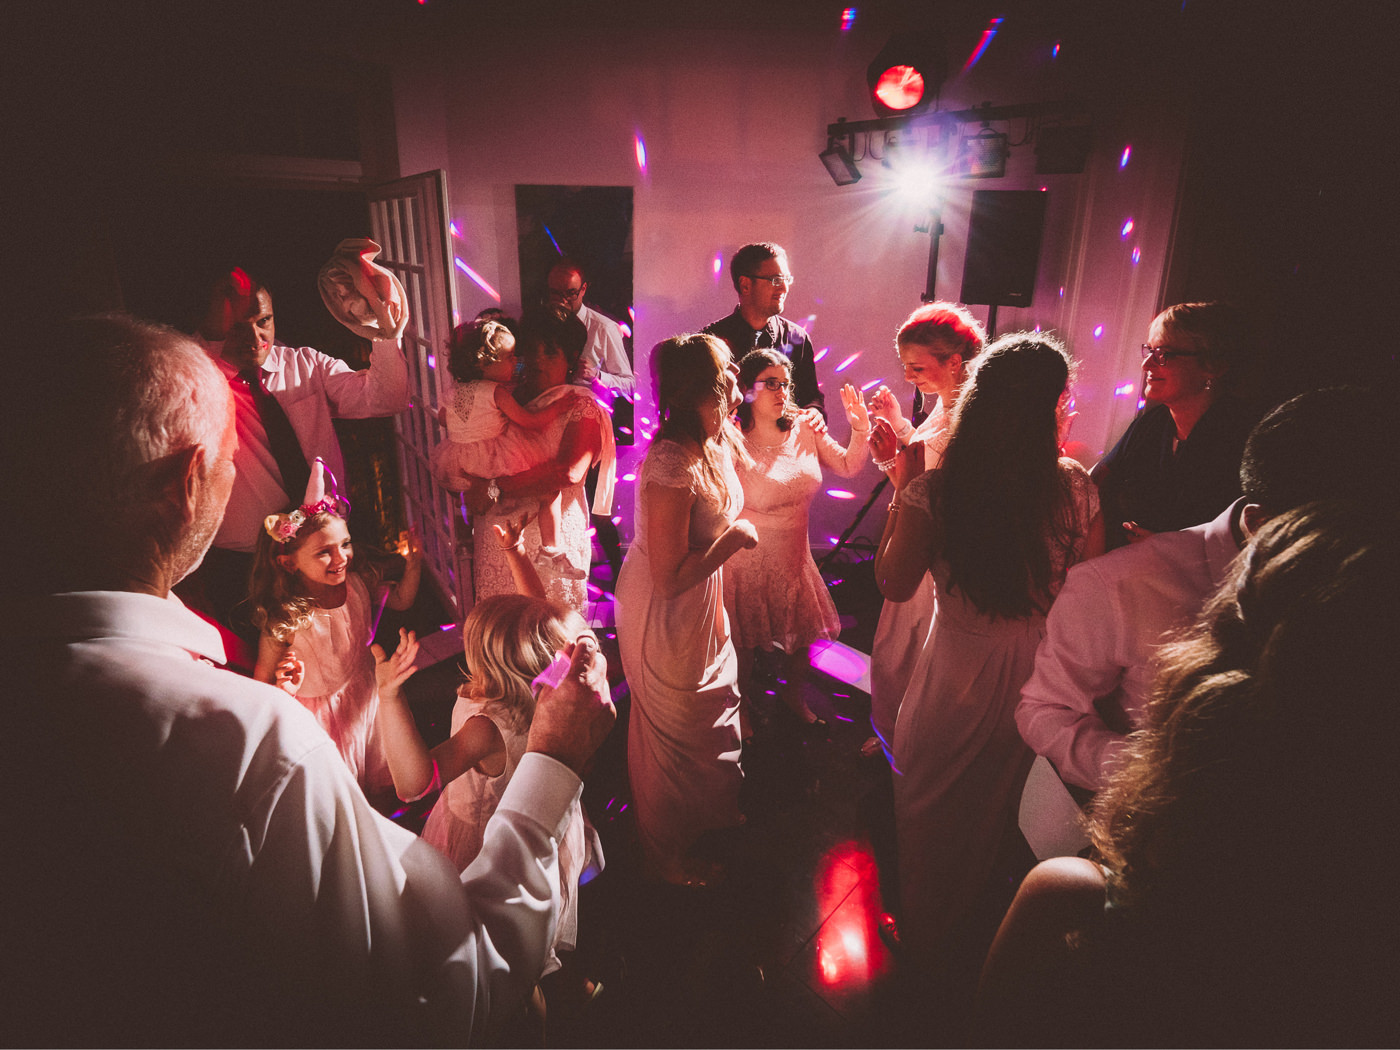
pixel 762 278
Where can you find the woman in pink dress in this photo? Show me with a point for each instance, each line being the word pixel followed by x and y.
pixel 996 527
pixel 683 733
pixel 775 596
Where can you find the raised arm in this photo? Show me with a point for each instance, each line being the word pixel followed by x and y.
pixel 379 390
pixel 903 555
pixel 510 536
pixel 848 461
pixel 580 444
pixel 403 594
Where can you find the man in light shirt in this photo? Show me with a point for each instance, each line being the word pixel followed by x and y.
pixel 188 860
pixel 284 400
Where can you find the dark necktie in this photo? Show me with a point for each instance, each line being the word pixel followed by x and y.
pixel 281 438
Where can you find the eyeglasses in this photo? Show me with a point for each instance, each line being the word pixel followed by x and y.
pixel 777 280
pixel 565 295
pixel 774 384
pixel 1161 355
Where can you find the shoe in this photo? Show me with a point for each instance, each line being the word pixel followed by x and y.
pixel 557 562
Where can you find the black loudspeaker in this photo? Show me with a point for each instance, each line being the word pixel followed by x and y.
pixel 1003 247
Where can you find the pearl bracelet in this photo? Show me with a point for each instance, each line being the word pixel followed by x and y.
pixel 887 465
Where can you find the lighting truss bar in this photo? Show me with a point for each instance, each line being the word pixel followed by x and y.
pixel 976 115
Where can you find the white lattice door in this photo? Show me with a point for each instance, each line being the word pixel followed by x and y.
pixel 409 220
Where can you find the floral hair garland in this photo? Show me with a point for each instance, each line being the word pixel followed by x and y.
pixel 283 528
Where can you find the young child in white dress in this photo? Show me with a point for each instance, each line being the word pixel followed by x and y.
pixel 490 435
pixel 314 606
pixel 509 640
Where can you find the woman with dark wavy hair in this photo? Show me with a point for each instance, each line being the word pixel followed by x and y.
pixel 997 526
pixel 683 739
pixel 1246 894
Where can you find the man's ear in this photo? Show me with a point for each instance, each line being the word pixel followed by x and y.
pixel 1252 519
pixel 182 474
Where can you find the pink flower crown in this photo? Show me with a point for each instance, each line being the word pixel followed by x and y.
pixel 283 528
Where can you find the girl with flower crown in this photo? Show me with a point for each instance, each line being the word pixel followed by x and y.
pixel 314 608
pixel 490 435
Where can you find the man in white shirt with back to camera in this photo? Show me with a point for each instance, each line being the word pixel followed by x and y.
pixel 1095 669
pixel 188 860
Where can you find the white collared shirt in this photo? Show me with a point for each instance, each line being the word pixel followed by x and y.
pixel 201 856
pixel 312 388
pixel 604 356
pixel 1100 638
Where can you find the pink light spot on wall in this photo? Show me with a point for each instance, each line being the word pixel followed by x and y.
pixel 1141 402
pixel 840 494
pixel 1055 51
pixel 641 148
pixel 873 382
pixel 820 354
pixel 477 279
pixel 718 264
pixel 452 228
pixel 617 519
pixel 432 360
pixel 848 362
pixel 848 19
pixel 1045 189
pixel 1137 256
pixel 1098 331
pixel 628 477
pixel 1127 228
pixel 1126 156
pixel 1123 391
pixel 1062 291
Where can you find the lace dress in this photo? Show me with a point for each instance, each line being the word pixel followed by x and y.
pixel 903 630
pixel 491 571
pixel 457 823
pixel 683 735
pixel 774 594
pixel 959 761
pixel 339 685
pixel 481 441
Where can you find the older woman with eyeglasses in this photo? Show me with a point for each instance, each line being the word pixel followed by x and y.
pixel 775 596
pixel 1178 463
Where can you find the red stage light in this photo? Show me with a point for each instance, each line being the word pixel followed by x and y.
pixel 900 88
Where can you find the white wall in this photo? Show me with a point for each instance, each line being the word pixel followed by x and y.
pixel 732 124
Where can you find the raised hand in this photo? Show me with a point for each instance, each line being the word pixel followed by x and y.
pixel 393 670
pixel 857 414
pixel 510 534
pixel 572 718
pixel 884 405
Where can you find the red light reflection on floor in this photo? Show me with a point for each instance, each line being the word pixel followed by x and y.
pixel 849 952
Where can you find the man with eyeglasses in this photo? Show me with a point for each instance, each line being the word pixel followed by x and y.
pixel 762 278
pixel 604 358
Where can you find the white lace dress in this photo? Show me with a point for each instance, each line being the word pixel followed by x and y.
pixel 683 740
pixel 491 571
pixel 481 441
pixel 457 823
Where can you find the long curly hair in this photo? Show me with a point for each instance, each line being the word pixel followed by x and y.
pixel 690 377
pixel 1253 819
pixel 507 640
pixel 1002 500
pixel 277 607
